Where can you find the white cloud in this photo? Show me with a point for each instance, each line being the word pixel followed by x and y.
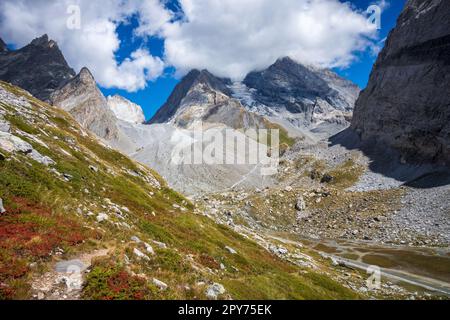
pixel 383 4
pixel 93 46
pixel 152 17
pixel 228 37
pixel 233 37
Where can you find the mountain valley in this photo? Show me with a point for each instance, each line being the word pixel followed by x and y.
pixel 362 179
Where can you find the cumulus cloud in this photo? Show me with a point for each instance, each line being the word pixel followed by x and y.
pixel 95 44
pixel 229 37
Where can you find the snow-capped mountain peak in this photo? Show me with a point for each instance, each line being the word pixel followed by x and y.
pixel 126 110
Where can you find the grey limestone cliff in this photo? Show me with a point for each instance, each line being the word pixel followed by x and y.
pixel 406 104
pixel 303 95
pixel 82 98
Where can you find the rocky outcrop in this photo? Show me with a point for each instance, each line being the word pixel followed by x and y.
pixel 82 98
pixel 126 110
pixel 14 142
pixel 39 67
pixel 406 104
pixel 3 47
pixel 303 95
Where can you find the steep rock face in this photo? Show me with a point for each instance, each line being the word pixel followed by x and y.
pixel 203 98
pixel 3 47
pixel 406 104
pixel 126 110
pixel 39 67
pixel 303 95
pixel 82 98
pixel 191 80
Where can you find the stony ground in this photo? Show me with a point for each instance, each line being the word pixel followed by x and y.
pixel 329 192
pixel 219 209
pixel 64 280
pixel 425 212
pixel 404 205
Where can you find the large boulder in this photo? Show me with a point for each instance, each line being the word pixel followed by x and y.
pixel 214 291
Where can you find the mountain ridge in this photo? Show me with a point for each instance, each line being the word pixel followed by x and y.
pixel 313 96
pixel 81 97
pixel 39 67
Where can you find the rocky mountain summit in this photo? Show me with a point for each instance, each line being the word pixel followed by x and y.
pixel 39 67
pixel 190 81
pixel 303 95
pixel 126 110
pixel 82 98
pixel 201 97
pixel 406 104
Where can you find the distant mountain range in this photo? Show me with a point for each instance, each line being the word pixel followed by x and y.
pixel 406 103
pixel 41 69
pixel 287 93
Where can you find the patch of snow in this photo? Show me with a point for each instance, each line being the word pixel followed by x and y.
pixel 242 93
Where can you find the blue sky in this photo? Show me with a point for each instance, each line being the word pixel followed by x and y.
pixel 157 92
